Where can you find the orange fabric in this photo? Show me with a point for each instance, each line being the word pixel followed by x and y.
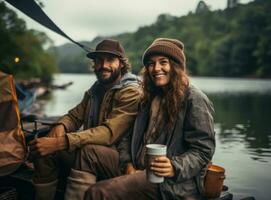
pixel 8 116
pixel 12 141
pixel 5 88
pixel 10 151
pixel 15 99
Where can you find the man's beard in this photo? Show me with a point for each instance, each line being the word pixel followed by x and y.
pixel 114 75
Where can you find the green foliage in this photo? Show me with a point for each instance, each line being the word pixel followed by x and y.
pixel 235 42
pixel 72 59
pixel 27 46
pixel 77 63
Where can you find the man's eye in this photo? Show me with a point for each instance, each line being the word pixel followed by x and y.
pixel 98 60
pixel 110 58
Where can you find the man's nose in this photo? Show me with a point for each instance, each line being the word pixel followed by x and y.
pixel 105 63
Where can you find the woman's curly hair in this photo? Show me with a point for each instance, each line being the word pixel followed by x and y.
pixel 172 97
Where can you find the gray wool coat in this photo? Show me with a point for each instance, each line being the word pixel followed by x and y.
pixel 191 145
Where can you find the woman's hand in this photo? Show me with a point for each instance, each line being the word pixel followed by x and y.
pixel 162 166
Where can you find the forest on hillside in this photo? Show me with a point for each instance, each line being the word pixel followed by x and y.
pixel 23 51
pixel 235 42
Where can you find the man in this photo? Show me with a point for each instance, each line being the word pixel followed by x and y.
pixel 107 112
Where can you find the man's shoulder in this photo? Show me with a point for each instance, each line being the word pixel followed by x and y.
pixel 128 79
pixel 129 90
pixel 130 83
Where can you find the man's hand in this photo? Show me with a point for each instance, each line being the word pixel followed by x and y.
pixel 161 166
pixel 130 169
pixel 57 131
pixel 47 145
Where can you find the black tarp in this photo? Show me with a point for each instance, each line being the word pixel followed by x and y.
pixel 34 11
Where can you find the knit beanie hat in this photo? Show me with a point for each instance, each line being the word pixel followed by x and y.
pixel 165 46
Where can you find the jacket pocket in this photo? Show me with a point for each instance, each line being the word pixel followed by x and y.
pixel 179 190
pixel 190 187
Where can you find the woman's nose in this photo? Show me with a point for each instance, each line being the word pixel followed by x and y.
pixel 157 67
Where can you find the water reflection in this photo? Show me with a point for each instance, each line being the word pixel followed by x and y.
pixel 244 118
pixel 233 85
pixel 243 109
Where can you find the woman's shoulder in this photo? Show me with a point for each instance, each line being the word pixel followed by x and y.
pixel 197 97
pixel 193 92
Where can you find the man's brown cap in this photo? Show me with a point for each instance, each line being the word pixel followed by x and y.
pixel 108 46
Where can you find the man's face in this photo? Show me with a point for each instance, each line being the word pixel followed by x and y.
pixel 107 68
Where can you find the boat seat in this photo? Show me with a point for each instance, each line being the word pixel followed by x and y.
pixel 225 195
pixel 20 180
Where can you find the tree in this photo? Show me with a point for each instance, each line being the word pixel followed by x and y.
pixel 23 51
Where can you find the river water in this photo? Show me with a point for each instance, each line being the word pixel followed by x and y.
pixel 242 124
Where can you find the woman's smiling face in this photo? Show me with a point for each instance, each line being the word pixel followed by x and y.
pixel 159 69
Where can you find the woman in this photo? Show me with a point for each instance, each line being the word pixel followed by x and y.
pixel 174 113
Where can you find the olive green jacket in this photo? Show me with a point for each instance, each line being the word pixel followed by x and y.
pixel 117 113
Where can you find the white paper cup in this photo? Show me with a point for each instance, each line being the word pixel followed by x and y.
pixel 153 151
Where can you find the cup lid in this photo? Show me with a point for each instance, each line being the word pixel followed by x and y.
pixel 156 149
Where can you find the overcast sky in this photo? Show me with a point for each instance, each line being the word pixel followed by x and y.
pixel 85 19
